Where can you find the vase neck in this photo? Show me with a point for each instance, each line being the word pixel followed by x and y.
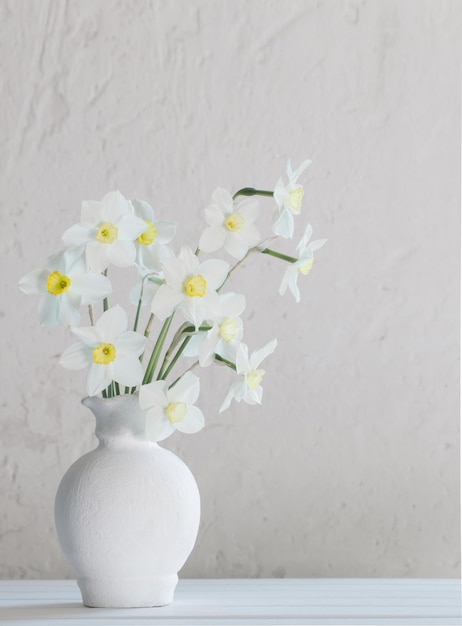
pixel 119 421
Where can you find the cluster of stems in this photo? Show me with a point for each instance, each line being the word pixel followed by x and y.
pixel 184 333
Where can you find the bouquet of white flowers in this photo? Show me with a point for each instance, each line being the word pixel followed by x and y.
pixel 125 233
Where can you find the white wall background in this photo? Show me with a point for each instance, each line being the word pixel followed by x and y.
pixel 351 465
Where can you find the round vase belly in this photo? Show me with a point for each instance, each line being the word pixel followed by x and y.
pixel 127 513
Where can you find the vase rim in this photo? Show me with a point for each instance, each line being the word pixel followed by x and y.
pixel 88 400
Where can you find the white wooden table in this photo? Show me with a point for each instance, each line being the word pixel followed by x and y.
pixel 253 601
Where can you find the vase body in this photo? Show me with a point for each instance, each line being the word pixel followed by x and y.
pixel 127 513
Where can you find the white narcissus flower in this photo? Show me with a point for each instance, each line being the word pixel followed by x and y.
pixel 107 232
pixel 151 244
pixel 110 350
pixel 65 285
pixel 171 409
pixel 190 286
pixel 248 388
pixel 288 197
pixel 305 253
pixel 230 224
pixel 224 336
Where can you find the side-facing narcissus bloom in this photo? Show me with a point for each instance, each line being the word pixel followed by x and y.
pixel 225 334
pixel 109 350
pixel 305 254
pixel 289 198
pixel 170 409
pixel 230 224
pixel 190 286
pixel 151 244
pixel 248 387
pixel 65 285
pixel 107 232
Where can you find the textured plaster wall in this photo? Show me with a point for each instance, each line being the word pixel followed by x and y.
pixel 350 467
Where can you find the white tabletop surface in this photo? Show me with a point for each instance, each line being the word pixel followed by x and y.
pixel 250 601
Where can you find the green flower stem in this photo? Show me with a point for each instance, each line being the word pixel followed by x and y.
pixel 190 329
pixel 177 338
pixel 140 302
pixel 249 251
pixel 175 341
pixel 156 351
pixel 250 191
pixel 220 359
pixel 104 393
pixel 138 309
pixel 148 326
pixel 185 328
pixel 146 334
pixel 228 276
pixel 105 301
pixel 195 364
pixel 179 352
pixel 279 255
pixel 117 388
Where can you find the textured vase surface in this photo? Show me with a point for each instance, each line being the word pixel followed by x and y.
pixel 127 513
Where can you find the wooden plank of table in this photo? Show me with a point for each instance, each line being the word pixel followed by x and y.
pixel 247 601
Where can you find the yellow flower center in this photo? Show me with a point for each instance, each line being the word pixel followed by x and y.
pixel 234 222
pixel 107 233
pixel 295 198
pixel 195 286
pixel 306 266
pixel 148 236
pixel 254 378
pixel 175 412
pixel 57 283
pixel 104 354
pixel 228 329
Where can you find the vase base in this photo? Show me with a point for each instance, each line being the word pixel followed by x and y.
pixel 127 592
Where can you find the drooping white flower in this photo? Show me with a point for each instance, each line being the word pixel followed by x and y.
pixel 190 286
pixel 224 336
pixel 230 224
pixel 171 409
pixel 107 232
pixel 289 198
pixel 151 244
pixel 248 387
pixel 109 349
pixel 151 278
pixel 64 284
pixel 305 254
pixel 146 289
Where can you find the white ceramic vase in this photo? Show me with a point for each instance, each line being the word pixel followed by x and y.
pixel 127 513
